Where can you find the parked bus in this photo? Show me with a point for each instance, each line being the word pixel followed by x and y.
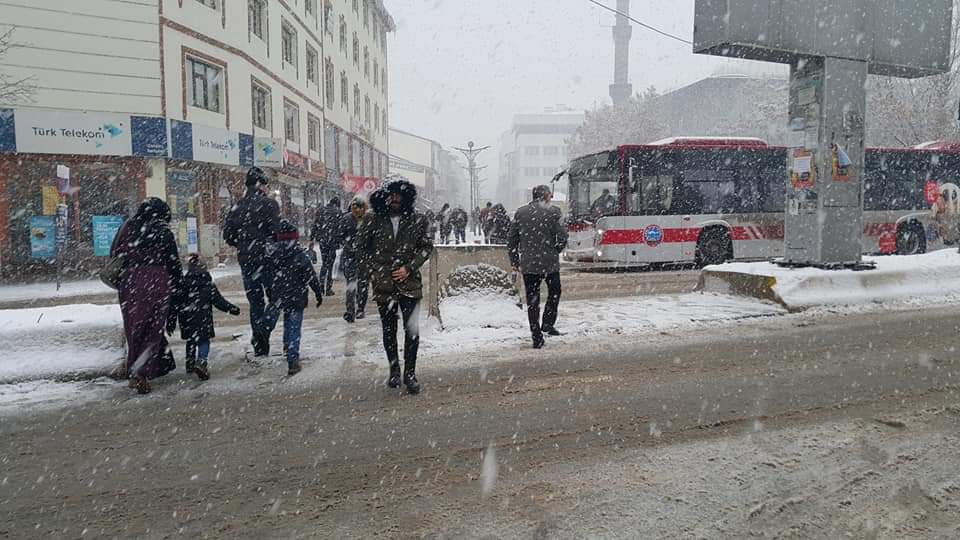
pixel 707 201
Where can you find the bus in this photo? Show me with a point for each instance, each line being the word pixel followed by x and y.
pixel 711 200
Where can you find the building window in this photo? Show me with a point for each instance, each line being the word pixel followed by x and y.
pixel 383 39
pixel 313 133
pixel 356 100
pixel 212 4
pixel 383 79
pixel 356 50
pixel 291 122
pixel 532 150
pixel 328 16
pixel 288 39
pixel 257 17
pixel 205 85
pixel 366 62
pixel 383 124
pixel 313 66
pixel 366 110
pixel 356 9
pixel 343 34
pixel 376 74
pixel 330 146
pixel 261 106
pixel 366 13
pixel 376 118
pixel 551 150
pixel 376 29
pixel 310 6
pixel 330 83
pixel 344 90
pixel 531 172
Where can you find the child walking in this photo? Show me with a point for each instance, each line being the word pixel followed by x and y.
pixel 293 276
pixel 198 297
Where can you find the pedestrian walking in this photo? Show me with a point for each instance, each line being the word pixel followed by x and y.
pixel 485 223
pixel 150 279
pixel 475 221
pixel 356 291
pixel 198 296
pixel 535 241
pixel 458 220
pixel 394 243
pixel 294 277
pixel 432 220
pixel 250 227
pixel 326 234
pixel 498 228
pixel 443 222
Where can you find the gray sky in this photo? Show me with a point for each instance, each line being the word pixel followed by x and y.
pixel 461 69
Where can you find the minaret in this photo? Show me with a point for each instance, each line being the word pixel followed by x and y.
pixel 621 89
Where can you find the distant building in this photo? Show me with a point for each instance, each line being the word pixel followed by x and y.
pixel 533 151
pixel 436 172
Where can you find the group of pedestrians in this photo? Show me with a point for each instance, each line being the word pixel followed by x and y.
pixel 492 221
pixel 383 249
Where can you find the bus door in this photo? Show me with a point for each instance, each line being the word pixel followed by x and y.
pixel 656 232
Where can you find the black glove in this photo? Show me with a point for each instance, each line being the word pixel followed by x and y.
pixel 235 311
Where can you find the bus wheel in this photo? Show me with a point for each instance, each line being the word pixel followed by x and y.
pixel 911 239
pixel 714 247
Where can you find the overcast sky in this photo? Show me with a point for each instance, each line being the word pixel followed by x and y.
pixel 460 69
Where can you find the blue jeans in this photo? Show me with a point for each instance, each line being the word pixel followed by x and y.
pixel 198 347
pixel 257 281
pixel 292 324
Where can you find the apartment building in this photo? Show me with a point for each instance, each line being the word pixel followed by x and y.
pixel 177 98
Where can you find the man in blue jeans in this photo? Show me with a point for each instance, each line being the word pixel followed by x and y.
pixel 250 227
pixel 294 276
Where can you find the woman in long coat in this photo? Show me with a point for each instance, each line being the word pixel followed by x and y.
pixel 150 277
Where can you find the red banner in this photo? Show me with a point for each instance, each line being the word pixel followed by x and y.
pixel 360 184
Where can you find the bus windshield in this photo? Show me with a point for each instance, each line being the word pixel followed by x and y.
pixel 594 186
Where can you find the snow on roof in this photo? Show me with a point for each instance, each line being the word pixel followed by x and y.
pixel 711 141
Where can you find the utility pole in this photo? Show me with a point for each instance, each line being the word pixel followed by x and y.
pixel 621 89
pixel 471 153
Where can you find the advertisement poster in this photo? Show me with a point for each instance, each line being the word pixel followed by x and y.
pixel 43 237
pixel 268 152
pixel 51 198
pixel 216 145
pixel 104 230
pixel 193 244
pixel 803 172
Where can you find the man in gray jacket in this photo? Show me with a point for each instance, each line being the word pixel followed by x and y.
pixel 536 239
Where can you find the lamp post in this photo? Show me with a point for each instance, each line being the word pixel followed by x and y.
pixel 471 152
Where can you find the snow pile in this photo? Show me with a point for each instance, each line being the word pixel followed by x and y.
pixel 896 278
pixel 481 310
pixel 64 342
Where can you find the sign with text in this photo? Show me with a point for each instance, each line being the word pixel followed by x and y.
pixel 268 152
pixel 65 132
pixel 215 145
pixel 43 237
pixel 105 228
pixel 193 243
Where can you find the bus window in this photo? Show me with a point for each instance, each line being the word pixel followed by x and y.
pixel 713 191
pixel 651 195
pixel 748 191
pixel 773 190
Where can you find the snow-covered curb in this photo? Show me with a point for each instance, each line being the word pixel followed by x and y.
pixel 59 342
pixel 895 279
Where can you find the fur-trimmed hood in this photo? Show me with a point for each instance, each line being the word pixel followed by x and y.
pixel 380 199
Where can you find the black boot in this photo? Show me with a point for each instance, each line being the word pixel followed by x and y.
pixel 394 380
pixel 410 381
pixel 200 368
pixel 191 365
pixel 538 341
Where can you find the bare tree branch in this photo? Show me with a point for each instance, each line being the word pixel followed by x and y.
pixel 13 89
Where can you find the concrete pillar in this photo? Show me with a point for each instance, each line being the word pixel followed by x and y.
pixel 621 89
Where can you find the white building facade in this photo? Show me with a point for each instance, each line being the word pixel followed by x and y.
pixel 195 92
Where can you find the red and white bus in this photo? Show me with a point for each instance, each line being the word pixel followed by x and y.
pixel 710 200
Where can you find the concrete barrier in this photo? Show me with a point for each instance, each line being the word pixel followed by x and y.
pixel 446 259
pixel 757 286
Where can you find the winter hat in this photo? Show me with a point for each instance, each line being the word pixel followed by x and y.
pixel 358 202
pixel 287 232
pixel 256 176
pixel 195 264
pixel 334 202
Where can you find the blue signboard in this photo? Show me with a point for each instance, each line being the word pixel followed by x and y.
pixel 104 230
pixel 149 136
pixel 246 150
pixel 181 140
pixel 43 237
pixel 8 131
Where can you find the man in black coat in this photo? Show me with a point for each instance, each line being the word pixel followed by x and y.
pixel 356 292
pixel 536 239
pixel 326 234
pixel 250 227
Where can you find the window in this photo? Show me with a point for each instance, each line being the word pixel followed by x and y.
pixel 310 6
pixel 343 34
pixel 328 16
pixel 383 124
pixel 313 133
pixel 261 106
pixel 366 110
pixel 383 79
pixel 709 191
pixel 288 39
pixel 356 50
pixel 366 62
pixel 291 122
pixel 344 90
pixel 356 9
pixel 205 83
pixel 532 150
pixel 313 66
pixel 257 17
pixel 356 100
pixel 212 4
pixel 330 84
pixel 531 172
pixel 330 145
pixel 376 29
pixel 376 74
pixel 551 150
pixel 366 13
pixel 376 118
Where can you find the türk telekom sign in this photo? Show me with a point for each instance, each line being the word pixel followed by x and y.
pixel 33 131
pixel 193 142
